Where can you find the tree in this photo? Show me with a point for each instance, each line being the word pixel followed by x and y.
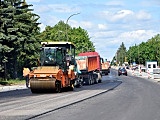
pixel 146 51
pixel 18 35
pixel 121 54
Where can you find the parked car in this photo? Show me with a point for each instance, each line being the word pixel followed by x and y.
pixel 122 71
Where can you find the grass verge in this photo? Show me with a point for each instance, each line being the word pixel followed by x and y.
pixel 12 82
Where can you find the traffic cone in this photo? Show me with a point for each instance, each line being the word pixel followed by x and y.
pixel 132 72
pixel 149 76
pixel 140 72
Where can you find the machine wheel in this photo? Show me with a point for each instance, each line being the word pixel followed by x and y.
pixel 106 73
pixel 58 87
pixel 90 80
pixel 99 77
pixel 71 87
pixel 34 91
pixel 96 80
pixel 80 82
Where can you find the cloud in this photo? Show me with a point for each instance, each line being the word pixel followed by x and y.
pixel 125 16
pixel 142 15
pixel 63 8
pixel 59 8
pixel 137 36
pixel 104 34
pixel 118 16
pixel 108 42
pixel 42 27
pixel 102 26
pixel 82 24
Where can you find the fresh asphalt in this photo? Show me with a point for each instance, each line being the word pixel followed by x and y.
pixel 135 99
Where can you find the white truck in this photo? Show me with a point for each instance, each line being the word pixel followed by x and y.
pixel 150 66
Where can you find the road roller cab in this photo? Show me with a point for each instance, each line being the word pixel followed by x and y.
pixel 56 68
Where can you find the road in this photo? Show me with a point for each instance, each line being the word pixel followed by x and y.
pixel 116 98
pixel 134 99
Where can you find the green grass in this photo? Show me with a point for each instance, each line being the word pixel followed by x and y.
pixel 12 82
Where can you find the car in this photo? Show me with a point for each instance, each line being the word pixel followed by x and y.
pixel 122 71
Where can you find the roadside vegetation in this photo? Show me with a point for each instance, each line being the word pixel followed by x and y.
pixel 145 51
pixel 12 82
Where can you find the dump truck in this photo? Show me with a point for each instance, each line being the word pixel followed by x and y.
pixel 105 66
pixel 56 70
pixel 88 64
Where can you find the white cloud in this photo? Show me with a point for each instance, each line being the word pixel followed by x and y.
pixel 123 13
pixel 107 43
pixel 125 16
pixel 137 36
pixel 82 24
pixel 60 8
pixel 42 27
pixel 142 15
pixel 118 16
pixel 87 24
pixel 64 8
pixel 102 26
pixel 105 34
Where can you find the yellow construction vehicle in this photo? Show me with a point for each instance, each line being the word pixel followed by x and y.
pixel 56 68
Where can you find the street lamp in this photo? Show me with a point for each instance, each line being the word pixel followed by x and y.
pixel 67 23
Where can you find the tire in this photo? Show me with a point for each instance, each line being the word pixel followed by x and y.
pixel 99 78
pixel 34 91
pixel 58 86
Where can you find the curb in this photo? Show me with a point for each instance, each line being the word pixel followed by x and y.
pixel 10 88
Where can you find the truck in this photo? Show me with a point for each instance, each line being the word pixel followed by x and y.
pixel 105 66
pixel 88 63
pixel 56 68
pixel 151 65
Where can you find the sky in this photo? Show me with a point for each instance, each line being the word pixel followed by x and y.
pixel 108 22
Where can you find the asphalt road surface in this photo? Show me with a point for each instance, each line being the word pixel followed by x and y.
pixel 134 99
pixel 116 98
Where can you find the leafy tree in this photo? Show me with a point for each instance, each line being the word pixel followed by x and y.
pixel 121 54
pixel 146 51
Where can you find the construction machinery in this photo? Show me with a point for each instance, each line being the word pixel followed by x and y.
pixel 105 66
pixel 88 63
pixel 56 70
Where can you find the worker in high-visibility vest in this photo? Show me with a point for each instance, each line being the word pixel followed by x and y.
pixel 26 72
